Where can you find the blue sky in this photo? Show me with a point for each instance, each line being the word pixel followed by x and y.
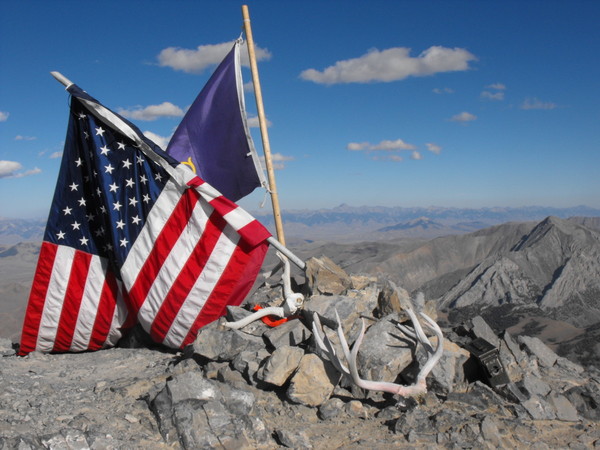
pixel 391 103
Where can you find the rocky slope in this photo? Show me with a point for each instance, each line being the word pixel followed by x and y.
pixel 269 387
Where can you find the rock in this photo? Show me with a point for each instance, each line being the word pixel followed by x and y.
pixel 325 277
pixel 564 409
pixel 349 310
pixel 223 344
pixel 391 299
pixel 293 440
pixel 449 372
pixel 384 352
pixel 586 400
pixel 313 382
pixel 534 346
pixel 481 329
pixel 490 432
pixel 280 365
pixel 291 333
pixel 535 386
pixel 206 414
pixel 6 347
pixel 539 409
pixel 331 408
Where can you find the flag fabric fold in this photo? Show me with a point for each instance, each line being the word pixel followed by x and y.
pixel 214 138
pixel 132 237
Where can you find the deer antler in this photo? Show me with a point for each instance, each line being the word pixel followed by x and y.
pixel 417 388
pixel 291 304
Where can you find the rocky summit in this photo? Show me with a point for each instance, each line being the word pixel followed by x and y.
pixel 269 387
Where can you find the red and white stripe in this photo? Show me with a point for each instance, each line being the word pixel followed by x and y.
pixel 75 303
pixel 189 263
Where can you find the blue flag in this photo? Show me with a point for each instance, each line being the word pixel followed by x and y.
pixel 213 137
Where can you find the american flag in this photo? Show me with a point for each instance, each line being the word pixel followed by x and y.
pixel 133 237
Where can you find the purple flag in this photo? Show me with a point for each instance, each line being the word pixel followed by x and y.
pixel 213 137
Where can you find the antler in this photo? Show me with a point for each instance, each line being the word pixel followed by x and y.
pixel 291 304
pixel 417 388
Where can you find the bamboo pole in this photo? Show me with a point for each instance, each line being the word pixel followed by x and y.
pixel 263 126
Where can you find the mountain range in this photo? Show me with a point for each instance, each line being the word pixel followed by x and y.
pixel 346 223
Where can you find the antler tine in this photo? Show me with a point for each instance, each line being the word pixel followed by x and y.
pixel 439 348
pixel 418 334
pixel 326 346
pixel 270 311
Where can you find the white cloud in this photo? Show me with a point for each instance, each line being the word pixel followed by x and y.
pixel 416 155
pixel 443 91
pixel 278 160
pixel 24 138
pixel 391 65
pixel 153 112
pixel 161 141
pixel 10 169
pixel 393 157
pixel 56 155
pixel 534 103
pixel 253 122
pixel 4 116
pixel 497 86
pixel 463 117
pixel 434 148
pixel 492 96
pixel 398 144
pixel 197 60
pixel 249 87
pixel 357 146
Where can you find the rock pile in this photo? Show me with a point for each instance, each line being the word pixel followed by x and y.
pixel 268 387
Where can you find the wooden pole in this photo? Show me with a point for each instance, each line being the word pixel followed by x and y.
pixel 263 126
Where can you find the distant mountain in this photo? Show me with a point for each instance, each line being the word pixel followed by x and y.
pixel 13 231
pixel 556 267
pixel 349 223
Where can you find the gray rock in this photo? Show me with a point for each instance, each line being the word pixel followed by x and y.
pixel 331 408
pixel 539 409
pixel 293 440
pixel 586 400
pixel 291 333
pixel 490 432
pixel 534 346
pixel 534 385
pixel 385 352
pixel 223 344
pixel 192 386
pixel 348 308
pixel 6 347
pixel 280 365
pixel 449 371
pixel 564 408
pixel 481 329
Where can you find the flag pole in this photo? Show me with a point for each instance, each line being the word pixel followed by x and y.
pixel 263 126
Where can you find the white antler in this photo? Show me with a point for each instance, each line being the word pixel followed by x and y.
pixel 417 388
pixel 291 304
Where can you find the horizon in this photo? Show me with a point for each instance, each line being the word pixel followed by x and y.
pixel 265 212
pixel 453 104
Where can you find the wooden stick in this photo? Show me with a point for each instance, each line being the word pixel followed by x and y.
pixel 263 126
